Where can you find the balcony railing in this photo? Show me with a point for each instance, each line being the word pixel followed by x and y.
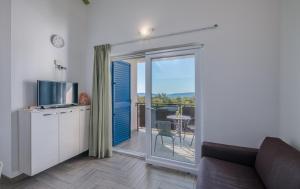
pixel 162 111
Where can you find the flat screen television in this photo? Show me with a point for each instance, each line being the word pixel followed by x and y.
pixel 56 94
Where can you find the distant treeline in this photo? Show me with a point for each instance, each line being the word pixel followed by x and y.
pixel 165 99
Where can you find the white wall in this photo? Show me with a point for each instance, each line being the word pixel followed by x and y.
pixel 241 58
pixel 32 55
pixel 33 22
pixel 290 73
pixel 5 74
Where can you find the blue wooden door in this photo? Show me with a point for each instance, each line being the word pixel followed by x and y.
pixel 121 102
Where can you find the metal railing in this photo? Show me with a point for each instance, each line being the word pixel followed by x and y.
pixel 163 110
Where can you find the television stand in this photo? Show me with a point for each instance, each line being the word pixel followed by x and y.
pixel 50 136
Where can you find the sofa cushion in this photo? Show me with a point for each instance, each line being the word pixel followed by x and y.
pixel 234 154
pixel 278 165
pixel 219 174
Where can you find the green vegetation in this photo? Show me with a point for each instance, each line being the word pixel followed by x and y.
pixel 164 99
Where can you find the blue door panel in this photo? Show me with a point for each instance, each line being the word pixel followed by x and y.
pixel 121 100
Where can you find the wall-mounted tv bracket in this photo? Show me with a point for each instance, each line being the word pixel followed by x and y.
pixel 59 67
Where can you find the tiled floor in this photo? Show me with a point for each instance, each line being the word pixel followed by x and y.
pixel 118 172
pixel 183 152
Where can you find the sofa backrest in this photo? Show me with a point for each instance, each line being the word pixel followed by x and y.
pixel 278 165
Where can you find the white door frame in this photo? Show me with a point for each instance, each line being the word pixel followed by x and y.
pixel 159 161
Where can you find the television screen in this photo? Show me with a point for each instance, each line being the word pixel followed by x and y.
pixel 52 93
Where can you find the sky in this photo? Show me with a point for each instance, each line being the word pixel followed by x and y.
pixel 172 75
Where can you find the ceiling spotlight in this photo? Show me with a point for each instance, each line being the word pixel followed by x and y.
pixel 146 31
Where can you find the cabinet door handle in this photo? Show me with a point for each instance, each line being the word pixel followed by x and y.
pixel 63 112
pixel 85 109
pixel 48 114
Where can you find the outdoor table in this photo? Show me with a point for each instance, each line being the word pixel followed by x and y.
pixel 179 119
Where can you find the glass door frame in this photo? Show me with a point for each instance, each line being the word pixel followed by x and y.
pixel 160 161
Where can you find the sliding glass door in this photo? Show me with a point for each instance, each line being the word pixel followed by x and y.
pixel 173 108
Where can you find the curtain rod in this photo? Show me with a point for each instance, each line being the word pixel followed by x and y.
pixel 166 35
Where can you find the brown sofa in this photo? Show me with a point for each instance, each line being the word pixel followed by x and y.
pixel 276 165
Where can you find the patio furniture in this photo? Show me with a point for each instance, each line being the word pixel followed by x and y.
pixel 191 129
pixel 164 130
pixel 179 120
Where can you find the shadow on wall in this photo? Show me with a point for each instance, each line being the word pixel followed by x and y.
pixel 15 141
pixel 29 96
pixel 76 46
pixel 30 93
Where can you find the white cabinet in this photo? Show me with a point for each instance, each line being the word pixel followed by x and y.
pixel 39 141
pixel 84 117
pixel 44 141
pixel 48 137
pixel 69 134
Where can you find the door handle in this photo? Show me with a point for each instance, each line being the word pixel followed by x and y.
pixel 63 112
pixel 49 114
pixel 149 108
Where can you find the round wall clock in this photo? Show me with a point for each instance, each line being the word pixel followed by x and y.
pixel 57 41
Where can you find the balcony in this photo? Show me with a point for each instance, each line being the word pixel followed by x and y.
pixel 184 143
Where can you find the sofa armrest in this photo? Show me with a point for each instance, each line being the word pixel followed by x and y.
pixel 235 154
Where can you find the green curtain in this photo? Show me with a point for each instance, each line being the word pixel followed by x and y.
pixel 100 140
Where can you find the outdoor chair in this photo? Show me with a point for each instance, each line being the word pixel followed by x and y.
pixel 191 129
pixel 164 130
